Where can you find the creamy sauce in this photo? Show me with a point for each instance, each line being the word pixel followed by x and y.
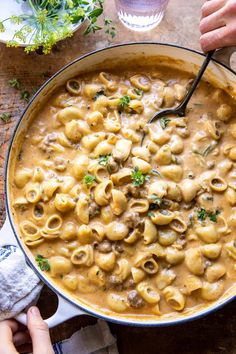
pixel 134 230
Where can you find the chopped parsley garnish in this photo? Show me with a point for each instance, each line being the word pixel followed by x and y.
pixel 89 179
pixel 15 83
pixel 25 95
pixel 104 159
pixel 5 117
pixel 98 94
pixel 213 216
pixel 124 101
pixel 202 214
pixel 138 177
pixel 42 263
pixel 138 92
pixel 164 122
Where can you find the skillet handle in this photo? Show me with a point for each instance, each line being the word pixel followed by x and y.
pixel 7 236
pixel 65 311
pixel 223 55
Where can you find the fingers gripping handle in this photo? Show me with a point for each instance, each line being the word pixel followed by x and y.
pixel 65 311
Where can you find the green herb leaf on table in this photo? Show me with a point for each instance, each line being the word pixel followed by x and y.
pixel 104 159
pixel 89 180
pixel 164 122
pixel 124 101
pixel 25 95
pixel 138 177
pixel 5 117
pixel 15 83
pixel 43 263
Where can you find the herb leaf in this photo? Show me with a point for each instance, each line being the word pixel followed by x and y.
pixel 201 214
pixel 124 101
pixel 5 117
pixel 89 179
pixel 138 177
pixel 104 159
pixel 99 93
pixel 213 216
pixel 43 263
pixel 164 122
pixel 25 95
pixel 15 83
pixel 138 92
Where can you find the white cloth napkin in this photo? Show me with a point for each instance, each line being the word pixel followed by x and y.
pixel 20 288
pixel 19 285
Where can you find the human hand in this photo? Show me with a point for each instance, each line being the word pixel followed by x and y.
pixel 218 24
pixel 15 339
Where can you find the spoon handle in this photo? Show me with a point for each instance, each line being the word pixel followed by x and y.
pixel 183 105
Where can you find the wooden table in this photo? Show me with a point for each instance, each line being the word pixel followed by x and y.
pixel 210 335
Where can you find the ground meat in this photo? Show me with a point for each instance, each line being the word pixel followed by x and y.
pixel 129 283
pixel 117 248
pixel 45 144
pixel 115 282
pixel 112 165
pixel 94 209
pixel 104 247
pixel 132 219
pixel 132 191
pixel 134 299
pixel 60 163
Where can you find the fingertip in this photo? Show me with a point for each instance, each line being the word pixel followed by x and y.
pixel 34 311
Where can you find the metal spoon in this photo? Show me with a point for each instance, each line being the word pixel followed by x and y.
pixel 181 109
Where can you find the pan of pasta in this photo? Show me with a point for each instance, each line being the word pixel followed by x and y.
pixel 138 234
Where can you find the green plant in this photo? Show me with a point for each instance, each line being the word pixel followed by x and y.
pixel 53 20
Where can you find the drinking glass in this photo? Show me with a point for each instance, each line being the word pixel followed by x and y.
pixel 141 15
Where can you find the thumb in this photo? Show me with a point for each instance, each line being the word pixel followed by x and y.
pixel 39 332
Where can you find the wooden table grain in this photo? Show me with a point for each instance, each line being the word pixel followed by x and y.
pixel 208 335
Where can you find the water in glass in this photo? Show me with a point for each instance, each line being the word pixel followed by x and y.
pixel 141 15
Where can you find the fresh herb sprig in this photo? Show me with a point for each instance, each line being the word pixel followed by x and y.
pixel 138 177
pixel 43 263
pixel 89 180
pixel 103 160
pixel 164 122
pixel 24 94
pixel 124 101
pixel 202 214
pixel 5 117
pixel 53 20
